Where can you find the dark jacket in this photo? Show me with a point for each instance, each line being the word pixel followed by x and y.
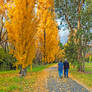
pixel 66 65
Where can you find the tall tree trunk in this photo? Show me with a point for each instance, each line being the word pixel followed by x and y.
pixel 44 46
pixel 84 53
pixel 79 40
pixel 22 71
pixel 1 27
pixel 83 68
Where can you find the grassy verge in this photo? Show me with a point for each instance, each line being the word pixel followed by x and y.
pixel 85 78
pixel 11 82
pixel 37 68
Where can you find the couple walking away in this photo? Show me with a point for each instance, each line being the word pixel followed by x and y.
pixel 62 66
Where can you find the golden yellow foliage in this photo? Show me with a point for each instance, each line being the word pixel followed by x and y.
pixel 22 27
pixel 60 54
pixel 48 38
pixel 1 6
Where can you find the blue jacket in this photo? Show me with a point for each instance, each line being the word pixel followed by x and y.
pixel 60 66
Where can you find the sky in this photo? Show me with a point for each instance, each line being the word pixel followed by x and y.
pixel 63 31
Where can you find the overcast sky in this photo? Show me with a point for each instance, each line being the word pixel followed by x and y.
pixel 63 32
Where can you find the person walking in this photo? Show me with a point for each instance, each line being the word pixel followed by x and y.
pixel 66 68
pixel 60 69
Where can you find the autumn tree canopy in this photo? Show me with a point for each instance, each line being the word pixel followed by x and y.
pixel 48 38
pixel 22 27
pixel 31 25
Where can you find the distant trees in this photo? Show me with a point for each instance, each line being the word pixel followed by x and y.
pixel 3 31
pixel 6 60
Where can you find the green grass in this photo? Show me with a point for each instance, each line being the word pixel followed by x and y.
pixel 88 67
pixel 10 80
pixel 37 68
pixel 9 72
pixel 9 84
pixel 85 78
pixel 88 64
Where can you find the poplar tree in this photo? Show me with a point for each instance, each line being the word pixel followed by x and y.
pixel 48 38
pixel 21 26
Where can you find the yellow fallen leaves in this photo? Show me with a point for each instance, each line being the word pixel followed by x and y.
pixel 41 82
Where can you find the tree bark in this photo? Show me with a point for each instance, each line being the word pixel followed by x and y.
pixel 80 3
pixel 44 46
pixel 22 71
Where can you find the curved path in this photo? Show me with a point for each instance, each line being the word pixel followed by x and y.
pixel 55 84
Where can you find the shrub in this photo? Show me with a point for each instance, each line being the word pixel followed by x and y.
pixel 6 60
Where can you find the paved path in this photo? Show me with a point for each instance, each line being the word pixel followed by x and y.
pixel 55 84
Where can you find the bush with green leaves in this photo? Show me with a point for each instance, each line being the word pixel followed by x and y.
pixel 6 60
pixel 71 52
